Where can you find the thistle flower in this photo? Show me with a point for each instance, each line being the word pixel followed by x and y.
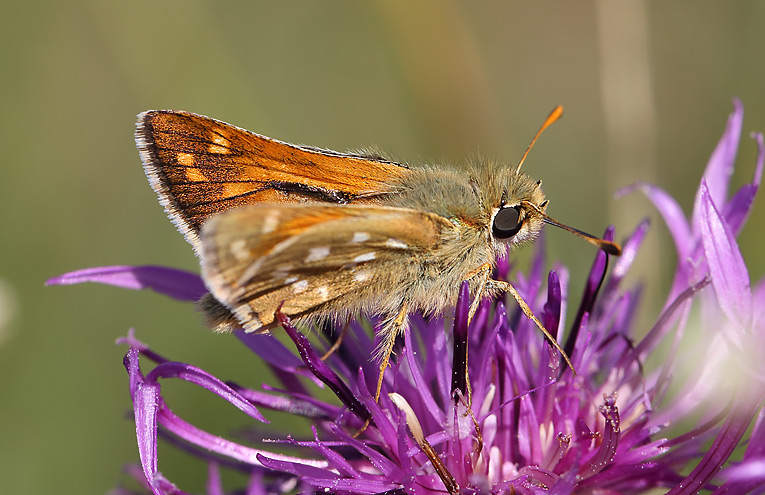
pixel 487 407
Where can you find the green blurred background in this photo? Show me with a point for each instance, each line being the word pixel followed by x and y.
pixel 647 88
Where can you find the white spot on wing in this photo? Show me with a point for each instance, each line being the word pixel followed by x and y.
pixel 220 140
pixel 219 150
pixel 323 293
pixel 271 221
pixel 360 237
pixel 239 250
pixel 221 145
pixel 185 159
pixel 362 275
pixel 291 279
pixel 364 257
pixel 300 286
pixel 317 253
pixel 396 244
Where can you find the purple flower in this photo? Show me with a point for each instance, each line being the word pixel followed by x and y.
pixel 510 418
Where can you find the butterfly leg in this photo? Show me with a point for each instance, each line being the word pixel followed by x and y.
pixel 498 285
pixel 337 343
pixel 388 335
pixel 390 330
pixel 483 274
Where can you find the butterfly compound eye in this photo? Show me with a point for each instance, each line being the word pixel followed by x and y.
pixel 507 222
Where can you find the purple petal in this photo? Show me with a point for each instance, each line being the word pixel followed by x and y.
pixel 150 411
pixel 293 467
pixel 756 448
pixel 205 380
pixel 629 252
pixel 565 485
pixel 322 371
pixel 256 486
pixel 720 165
pixel 145 408
pixel 460 335
pixel 308 407
pixel 503 266
pixel 742 411
pixel 760 167
pixel 730 278
pixel 748 471
pixel 214 482
pixel 352 486
pixel 425 393
pixel 551 315
pixel 594 281
pixel 671 212
pixel 380 461
pixel 605 454
pixel 178 284
pixel 336 461
pixel 270 350
pixel 195 436
pixel 131 341
pixel 736 211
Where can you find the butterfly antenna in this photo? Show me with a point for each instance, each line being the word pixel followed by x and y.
pixel 554 115
pixel 608 246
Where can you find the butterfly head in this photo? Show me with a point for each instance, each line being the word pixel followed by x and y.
pixel 516 215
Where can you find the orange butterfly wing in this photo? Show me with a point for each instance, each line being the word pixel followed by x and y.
pixel 200 166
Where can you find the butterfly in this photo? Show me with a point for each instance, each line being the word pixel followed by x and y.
pixel 316 234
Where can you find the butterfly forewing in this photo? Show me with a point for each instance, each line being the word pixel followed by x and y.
pixel 307 257
pixel 200 166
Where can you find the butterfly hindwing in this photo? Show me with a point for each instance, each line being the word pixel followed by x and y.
pixel 306 257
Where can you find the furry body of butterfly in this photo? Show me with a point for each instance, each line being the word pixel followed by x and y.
pixel 409 252
pixel 319 234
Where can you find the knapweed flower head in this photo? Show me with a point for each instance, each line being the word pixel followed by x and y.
pixel 488 407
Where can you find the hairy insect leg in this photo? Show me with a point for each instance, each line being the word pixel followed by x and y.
pixel 483 274
pixel 499 285
pixel 336 344
pixel 390 330
pixel 388 334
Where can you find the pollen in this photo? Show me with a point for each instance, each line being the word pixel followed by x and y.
pixel 362 275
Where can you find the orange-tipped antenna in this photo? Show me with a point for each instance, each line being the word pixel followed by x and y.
pixel 554 115
pixel 607 246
